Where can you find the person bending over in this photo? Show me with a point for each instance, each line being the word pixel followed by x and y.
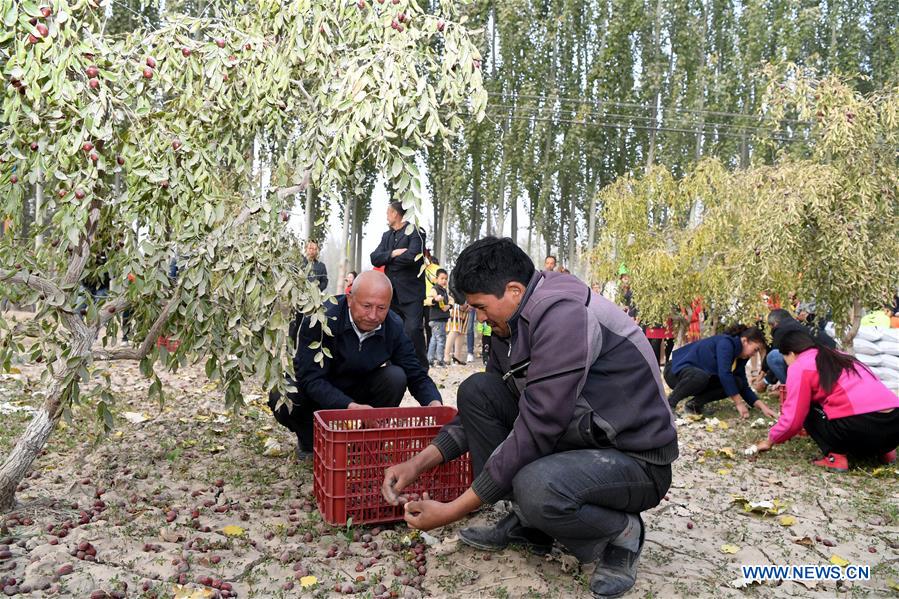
pixel 372 361
pixel 844 408
pixel 572 424
pixel 715 368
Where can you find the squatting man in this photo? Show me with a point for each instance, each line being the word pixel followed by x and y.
pixel 571 424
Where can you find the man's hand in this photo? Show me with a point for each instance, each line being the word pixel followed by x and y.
pixel 398 252
pixel 434 403
pixel 359 406
pixel 766 410
pixel 397 478
pixel 427 514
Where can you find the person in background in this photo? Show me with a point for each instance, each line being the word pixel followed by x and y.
pixel 781 322
pixel 371 361
pixel 402 255
pixel 319 273
pixel 486 339
pixel 549 263
pixel 564 270
pixel 844 408
pixel 432 265
pixel 348 281
pixel 694 320
pixel 469 335
pixel 627 296
pixel 596 288
pixel 715 368
pixel 439 314
pixel 878 318
pixel 658 335
pixel 455 338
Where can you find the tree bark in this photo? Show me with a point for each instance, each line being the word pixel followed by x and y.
pixel 855 321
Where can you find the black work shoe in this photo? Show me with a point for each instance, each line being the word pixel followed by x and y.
pixel 506 532
pixel 691 408
pixel 616 570
pixel 302 453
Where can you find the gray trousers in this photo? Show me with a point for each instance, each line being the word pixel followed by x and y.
pixel 580 496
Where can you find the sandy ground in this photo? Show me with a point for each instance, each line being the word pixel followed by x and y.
pixel 152 501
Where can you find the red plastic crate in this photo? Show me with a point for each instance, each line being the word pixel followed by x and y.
pixel 353 448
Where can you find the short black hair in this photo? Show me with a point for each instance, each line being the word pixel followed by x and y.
pixel 440 271
pixel 488 265
pixel 775 317
pixel 398 206
pixel 550 256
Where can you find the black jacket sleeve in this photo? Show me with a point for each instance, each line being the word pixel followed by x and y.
pixel 414 251
pixel 311 378
pixel 381 254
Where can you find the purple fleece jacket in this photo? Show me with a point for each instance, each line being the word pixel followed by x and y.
pixel 579 347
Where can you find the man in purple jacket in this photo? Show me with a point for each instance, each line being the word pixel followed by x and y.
pixel 572 424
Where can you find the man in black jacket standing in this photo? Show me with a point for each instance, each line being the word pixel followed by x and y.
pixel 401 255
pixel 371 361
pixel 318 272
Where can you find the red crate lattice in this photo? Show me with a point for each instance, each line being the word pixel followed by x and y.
pixel 353 448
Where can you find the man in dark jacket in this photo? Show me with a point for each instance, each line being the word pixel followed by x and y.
pixel 318 271
pixel 577 431
pixel 782 322
pixel 402 256
pixel 370 365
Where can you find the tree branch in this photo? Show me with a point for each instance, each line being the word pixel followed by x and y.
pixel 140 352
pixel 43 286
pixel 283 192
pixel 81 254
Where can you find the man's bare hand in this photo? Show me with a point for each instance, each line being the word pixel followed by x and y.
pixel 359 406
pixel 397 478
pixel 427 513
pixel 398 252
pixel 766 410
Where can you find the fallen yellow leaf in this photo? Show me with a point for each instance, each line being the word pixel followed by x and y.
pixel 723 425
pixel 836 560
pixel 232 530
pixel 723 471
pixel 727 451
pixel 187 592
pixel 787 520
pixel 728 548
pixel 308 581
pixel 893 584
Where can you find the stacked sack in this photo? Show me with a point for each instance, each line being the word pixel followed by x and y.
pixel 878 348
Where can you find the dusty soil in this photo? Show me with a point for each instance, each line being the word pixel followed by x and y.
pixel 153 499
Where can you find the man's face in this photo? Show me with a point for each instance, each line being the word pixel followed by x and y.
pixel 369 307
pixel 394 218
pixel 625 280
pixel 549 263
pixel 496 311
pixel 442 279
pixel 312 250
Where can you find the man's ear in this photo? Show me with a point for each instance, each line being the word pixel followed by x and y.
pixel 516 289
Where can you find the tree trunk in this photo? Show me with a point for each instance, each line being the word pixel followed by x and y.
pixel 359 225
pixel 855 321
pixel 38 431
pixel 513 218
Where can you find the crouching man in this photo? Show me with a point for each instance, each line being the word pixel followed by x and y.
pixel 577 432
pixel 371 362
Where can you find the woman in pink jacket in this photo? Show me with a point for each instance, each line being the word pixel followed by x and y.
pixel 842 405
